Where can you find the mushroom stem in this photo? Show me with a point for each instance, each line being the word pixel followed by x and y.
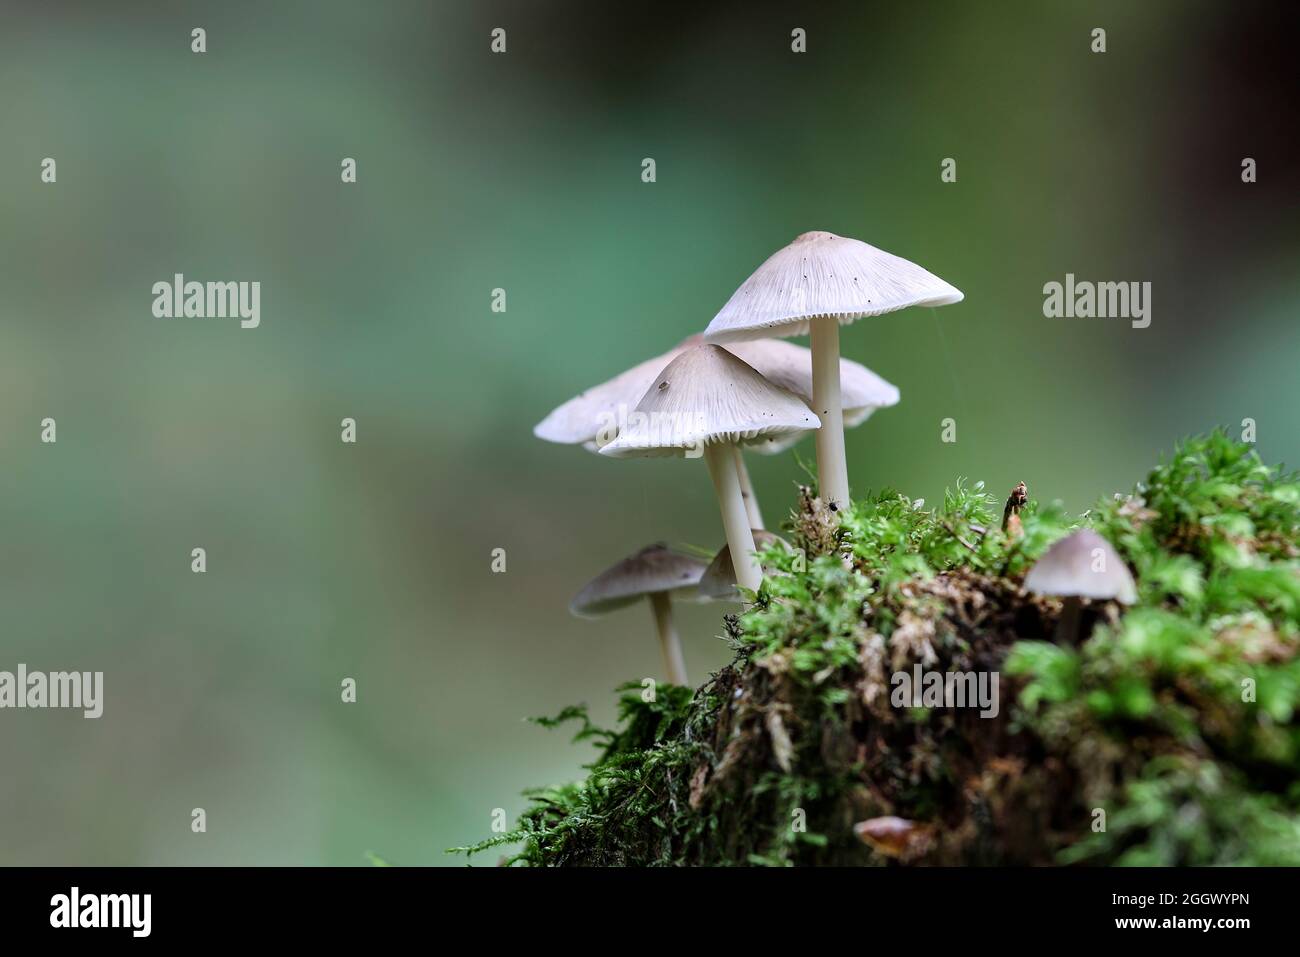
pixel 669 643
pixel 735 520
pixel 1067 629
pixel 747 491
pixel 832 466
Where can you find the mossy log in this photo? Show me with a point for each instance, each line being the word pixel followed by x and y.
pixel 1168 735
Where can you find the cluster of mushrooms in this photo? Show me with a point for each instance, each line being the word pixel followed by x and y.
pixel 700 399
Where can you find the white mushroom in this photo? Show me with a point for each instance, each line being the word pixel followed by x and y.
pixel 814 285
pixel 592 418
pixel 705 402
pixel 1080 565
pixel 656 572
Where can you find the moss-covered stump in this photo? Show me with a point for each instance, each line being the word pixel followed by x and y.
pixel 1169 735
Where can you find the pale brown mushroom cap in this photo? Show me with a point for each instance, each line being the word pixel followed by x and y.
pixel 822 274
pixel 656 568
pixel 705 396
pixel 1082 565
pixel 895 836
pixel 719 580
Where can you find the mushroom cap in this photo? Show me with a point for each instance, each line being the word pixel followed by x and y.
pixel 1070 569
pixel 855 415
pixel 821 274
pixel 894 836
pixel 782 443
pixel 656 568
pixel 705 396
pixel 719 580
pixel 580 420
pixel 790 367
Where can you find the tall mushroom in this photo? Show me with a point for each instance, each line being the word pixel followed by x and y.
pixel 705 402
pixel 656 572
pixel 814 285
pixel 1080 565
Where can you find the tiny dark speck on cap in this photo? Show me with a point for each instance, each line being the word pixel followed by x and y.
pixel 663 385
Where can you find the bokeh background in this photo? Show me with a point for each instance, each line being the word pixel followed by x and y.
pixel 522 171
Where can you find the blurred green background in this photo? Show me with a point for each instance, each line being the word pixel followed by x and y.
pixel 522 171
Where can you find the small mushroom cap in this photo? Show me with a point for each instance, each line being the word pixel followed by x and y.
pixel 705 396
pixel 1082 565
pixel 894 836
pixel 656 568
pixel 790 367
pixel 719 580
pixel 581 419
pixel 821 274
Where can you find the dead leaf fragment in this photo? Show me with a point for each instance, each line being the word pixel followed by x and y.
pixel 782 749
pixel 698 779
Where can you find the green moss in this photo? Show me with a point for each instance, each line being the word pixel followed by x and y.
pixel 1176 718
